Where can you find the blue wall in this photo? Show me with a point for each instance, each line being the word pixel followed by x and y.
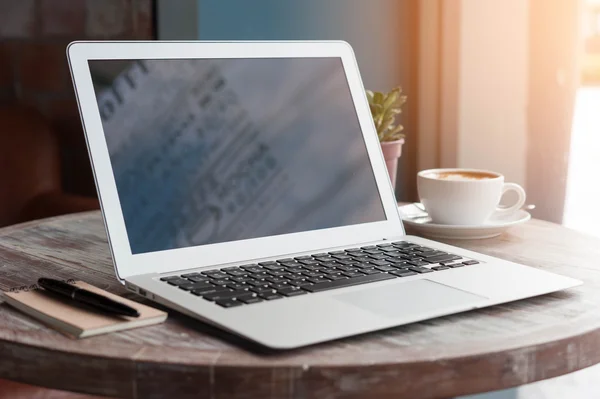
pixel 372 31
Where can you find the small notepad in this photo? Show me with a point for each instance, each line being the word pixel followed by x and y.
pixel 76 321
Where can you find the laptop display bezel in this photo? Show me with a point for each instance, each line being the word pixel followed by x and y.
pixel 128 264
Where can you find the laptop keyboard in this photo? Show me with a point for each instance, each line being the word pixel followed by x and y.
pixel 266 281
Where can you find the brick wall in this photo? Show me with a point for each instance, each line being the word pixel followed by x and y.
pixel 33 65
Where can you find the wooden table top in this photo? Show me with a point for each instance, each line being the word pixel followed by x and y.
pixel 483 350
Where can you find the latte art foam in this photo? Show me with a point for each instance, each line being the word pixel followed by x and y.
pixel 462 175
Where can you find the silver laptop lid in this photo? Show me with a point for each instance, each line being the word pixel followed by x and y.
pixel 222 150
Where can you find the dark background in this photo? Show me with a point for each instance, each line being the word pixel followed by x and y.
pixel 34 70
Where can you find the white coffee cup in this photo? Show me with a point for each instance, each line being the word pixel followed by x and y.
pixel 465 196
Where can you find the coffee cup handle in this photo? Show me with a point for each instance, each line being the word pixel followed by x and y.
pixel 505 210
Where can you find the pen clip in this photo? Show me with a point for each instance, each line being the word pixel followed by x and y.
pixel 74 292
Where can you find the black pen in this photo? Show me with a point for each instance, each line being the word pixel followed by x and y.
pixel 87 297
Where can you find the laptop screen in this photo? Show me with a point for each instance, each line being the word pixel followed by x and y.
pixel 215 150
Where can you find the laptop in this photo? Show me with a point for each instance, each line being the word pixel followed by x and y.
pixel 243 184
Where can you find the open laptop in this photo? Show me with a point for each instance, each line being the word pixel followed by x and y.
pixel 243 184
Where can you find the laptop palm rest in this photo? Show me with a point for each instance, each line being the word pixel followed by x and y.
pixel 418 298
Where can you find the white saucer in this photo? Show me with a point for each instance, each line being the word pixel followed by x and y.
pixel 418 222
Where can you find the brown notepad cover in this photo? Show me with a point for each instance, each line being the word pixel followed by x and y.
pixel 76 321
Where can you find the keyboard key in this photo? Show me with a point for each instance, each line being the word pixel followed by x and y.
pixel 191 275
pixel 342 256
pixel 220 293
pixel 276 280
pixel 389 249
pixel 369 247
pixel 228 303
pixel 193 286
pixel 215 274
pixel 286 260
pixel 311 267
pixel 253 269
pixel 297 269
pixel 178 282
pixel 386 268
pixel 329 264
pixel 277 273
pixel 443 258
pixel 270 297
pixel 418 263
pixel 345 268
pixel 309 261
pixel 413 255
pixel 371 271
pixel 347 261
pixel 373 251
pixel 316 280
pixel 248 299
pixel 394 254
pixel 259 275
pixel 334 277
pixel 207 290
pixel 296 277
pixel 274 266
pixel 330 270
pixel 262 289
pixel 240 287
pixel 430 254
pixel 268 263
pixel 470 262
pixel 224 281
pixel 290 264
pixel 171 278
pixel 302 283
pixel 241 279
pixel 354 251
pixel 198 279
pixel 378 256
pixel 256 283
pixel 309 273
pixel 237 273
pixel 320 255
pixel 353 274
pixel 279 286
pixel 379 262
pixel 303 257
pixel 225 294
pixel 348 282
pixel 404 273
pixel 454 265
pixel 292 291
pixel 440 268
pixel 337 252
pixel 420 269
pixel 403 244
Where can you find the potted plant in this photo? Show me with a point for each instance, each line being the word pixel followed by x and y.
pixel 385 107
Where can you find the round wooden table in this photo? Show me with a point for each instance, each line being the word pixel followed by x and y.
pixel 498 347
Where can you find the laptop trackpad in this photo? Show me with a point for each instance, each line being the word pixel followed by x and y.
pixel 404 299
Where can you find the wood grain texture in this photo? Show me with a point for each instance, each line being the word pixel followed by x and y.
pixel 487 349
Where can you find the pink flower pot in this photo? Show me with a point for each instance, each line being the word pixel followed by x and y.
pixel 391 152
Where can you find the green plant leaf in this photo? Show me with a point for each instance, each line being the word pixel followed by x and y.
pixel 390 99
pixel 378 97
